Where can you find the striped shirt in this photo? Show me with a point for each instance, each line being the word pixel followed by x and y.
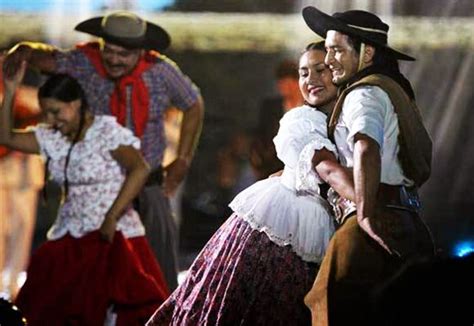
pixel 167 86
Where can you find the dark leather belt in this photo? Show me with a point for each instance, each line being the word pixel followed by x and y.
pixel 156 177
pixel 396 197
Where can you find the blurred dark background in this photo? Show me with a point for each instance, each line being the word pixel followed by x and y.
pixel 230 49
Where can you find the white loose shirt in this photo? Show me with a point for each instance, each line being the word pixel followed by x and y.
pixel 369 111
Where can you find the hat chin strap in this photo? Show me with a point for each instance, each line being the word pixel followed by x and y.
pixel 361 57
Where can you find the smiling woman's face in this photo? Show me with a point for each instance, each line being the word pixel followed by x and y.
pixel 315 79
pixel 62 116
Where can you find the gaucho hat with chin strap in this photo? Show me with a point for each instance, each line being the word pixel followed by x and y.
pixel 128 30
pixel 356 23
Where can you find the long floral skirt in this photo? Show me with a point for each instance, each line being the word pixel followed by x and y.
pixel 86 281
pixel 241 278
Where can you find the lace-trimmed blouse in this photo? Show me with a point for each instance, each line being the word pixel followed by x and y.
pixel 94 177
pixel 288 208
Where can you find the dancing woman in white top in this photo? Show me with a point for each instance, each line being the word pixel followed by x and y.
pixel 96 266
pixel 257 268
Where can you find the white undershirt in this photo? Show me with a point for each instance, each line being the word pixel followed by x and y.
pixel 368 110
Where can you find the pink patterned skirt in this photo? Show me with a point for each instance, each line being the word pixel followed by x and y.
pixel 74 281
pixel 241 278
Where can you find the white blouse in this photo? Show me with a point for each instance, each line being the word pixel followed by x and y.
pixel 368 110
pixel 288 208
pixel 94 177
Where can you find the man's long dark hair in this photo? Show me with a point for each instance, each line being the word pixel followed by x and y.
pixel 383 63
pixel 64 88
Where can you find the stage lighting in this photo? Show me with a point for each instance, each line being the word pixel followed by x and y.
pixel 464 248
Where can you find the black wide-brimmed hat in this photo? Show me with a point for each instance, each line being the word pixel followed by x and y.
pixel 128 30
pixel 357 23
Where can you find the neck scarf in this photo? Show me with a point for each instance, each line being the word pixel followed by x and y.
pixel 139 92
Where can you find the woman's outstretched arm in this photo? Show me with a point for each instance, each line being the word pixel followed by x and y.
pixel 24 141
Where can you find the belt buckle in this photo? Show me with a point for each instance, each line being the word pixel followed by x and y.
pixel 410 199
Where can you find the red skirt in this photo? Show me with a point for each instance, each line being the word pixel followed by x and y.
pixel 73 281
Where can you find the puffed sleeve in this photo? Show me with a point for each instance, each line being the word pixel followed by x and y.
pixel 367 112
pixel 51 143
pixel 307 180
pixel 301 133
pixel 115 135
pixel 290 139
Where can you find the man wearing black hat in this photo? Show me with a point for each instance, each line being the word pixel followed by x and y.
pixel 379 134
pixel 122 75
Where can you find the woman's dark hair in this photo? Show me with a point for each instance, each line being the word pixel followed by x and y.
pixel 314 46
pixel 64 88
